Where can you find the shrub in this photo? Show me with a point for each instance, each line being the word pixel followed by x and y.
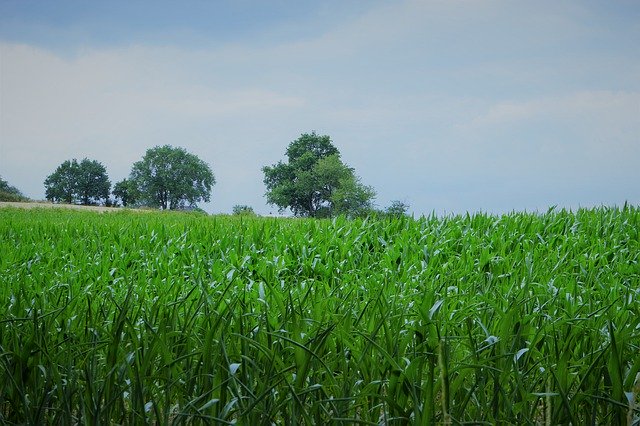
pixel 243 210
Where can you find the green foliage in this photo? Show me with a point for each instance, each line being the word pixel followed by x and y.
pixel 60 186
pixel 163 318
pixel 198 211
pixel 12 197
pixel 93 185
pixel 10 193
pixel 397 209
pixel 315 182
pixel 351 198
pixel 243 210
pixel 171 178
pixel 85 183
pixel 127 192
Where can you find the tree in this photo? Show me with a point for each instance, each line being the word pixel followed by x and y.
pixel 72 182
pixel 126 192
pixel 314 182
pixel 171 178
pixel 243 210
pixel 397 208
pixel 92 183
pixel 60 186
pixel 290 185
pixel 10 193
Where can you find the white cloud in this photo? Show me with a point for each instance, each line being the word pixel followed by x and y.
pixel 112 105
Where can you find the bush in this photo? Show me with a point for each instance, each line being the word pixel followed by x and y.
pixel 10 193
pixel 397 208
pixel 243 210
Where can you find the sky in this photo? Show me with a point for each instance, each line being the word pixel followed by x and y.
pixel 450 106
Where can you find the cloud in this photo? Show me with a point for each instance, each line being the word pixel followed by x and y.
pixel 614 109
pixel 447 105
pixel 112 105
pixel 575 133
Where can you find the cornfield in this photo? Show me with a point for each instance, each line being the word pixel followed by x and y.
pixel 162 318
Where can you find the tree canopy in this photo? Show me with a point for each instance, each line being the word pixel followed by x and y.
pixel 171 178
pixel 397 209
pixel 126 192
pixel 314 182
pixel 243 210
pixel 85 182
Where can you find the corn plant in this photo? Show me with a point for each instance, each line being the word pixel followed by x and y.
pixel 165 318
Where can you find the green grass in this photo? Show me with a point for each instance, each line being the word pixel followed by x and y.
pixel 180 319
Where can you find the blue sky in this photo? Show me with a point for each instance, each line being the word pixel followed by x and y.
pixel 449 106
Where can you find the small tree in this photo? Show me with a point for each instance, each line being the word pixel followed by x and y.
pixel 243 210
pixel 171 178
pixel 397 208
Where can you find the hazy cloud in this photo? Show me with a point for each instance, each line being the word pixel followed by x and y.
pixel 450 106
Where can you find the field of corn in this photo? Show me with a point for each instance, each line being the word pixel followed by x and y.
pixel 160 318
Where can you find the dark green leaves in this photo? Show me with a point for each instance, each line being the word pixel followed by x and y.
pixel 171 178
pixel 72 182
pixel 178 319
pixel 315 182
pixel 10 193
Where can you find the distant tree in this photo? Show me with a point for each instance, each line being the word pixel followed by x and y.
pixel 171 178
pixel 10 193
pixel 243 210
pixel 72 182
pixel 93 185
pixel 397 208
pixel 314 182
pixel 290 184
pixel 126 192
pixel 60 186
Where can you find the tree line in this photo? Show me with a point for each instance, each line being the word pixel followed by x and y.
pixel 313 181
pixel 166 178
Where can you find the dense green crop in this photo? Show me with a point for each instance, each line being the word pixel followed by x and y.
pixel 165 318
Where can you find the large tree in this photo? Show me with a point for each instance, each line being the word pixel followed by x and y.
pixel 85 183
pixel 314 182
pixel 171 178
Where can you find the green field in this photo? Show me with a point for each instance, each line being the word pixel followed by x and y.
pixel 124 318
